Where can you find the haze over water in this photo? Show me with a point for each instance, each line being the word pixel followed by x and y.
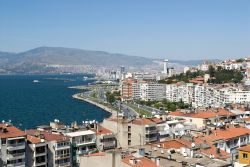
pixel 28 104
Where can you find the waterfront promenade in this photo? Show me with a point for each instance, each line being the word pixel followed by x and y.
pixel 80 96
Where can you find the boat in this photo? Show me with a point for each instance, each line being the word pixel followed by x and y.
pixel 35 81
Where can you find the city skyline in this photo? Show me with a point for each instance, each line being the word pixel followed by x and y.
pixel 173 29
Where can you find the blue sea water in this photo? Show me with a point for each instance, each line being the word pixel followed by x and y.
pixel 28 104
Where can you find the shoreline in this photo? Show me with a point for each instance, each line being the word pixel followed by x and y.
pixel 107 109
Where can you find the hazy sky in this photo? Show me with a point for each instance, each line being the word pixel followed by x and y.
pixel 175 29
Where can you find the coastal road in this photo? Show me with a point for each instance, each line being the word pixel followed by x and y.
pixel 149 109
pixel 128 111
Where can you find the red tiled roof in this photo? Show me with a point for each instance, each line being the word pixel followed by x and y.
pixel 245 148
pixel 103 130
pixel 212 150
pixel 175 143
pixel 141 162
pixel 203 114
pixel 33 139
pixel 146 121
pixel 48 136
pixel 226 134
pixel 11 131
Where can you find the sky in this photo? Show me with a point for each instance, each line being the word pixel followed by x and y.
pixel 173 29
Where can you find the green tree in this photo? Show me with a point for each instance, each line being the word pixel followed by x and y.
pixel 110 97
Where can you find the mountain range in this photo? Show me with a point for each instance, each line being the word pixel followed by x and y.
pixel 37 59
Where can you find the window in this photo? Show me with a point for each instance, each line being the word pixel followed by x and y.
pixel 129 136
pixel 129 128
pixel 3 141
pixel 244 155
pixel 129 142
pixel 243 139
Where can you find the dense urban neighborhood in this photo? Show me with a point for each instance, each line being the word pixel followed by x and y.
pixel 199 117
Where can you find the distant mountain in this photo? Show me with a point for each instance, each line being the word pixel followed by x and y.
pixel 69 56
pixel 37 60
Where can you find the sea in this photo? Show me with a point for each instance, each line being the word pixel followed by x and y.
pixel 27 103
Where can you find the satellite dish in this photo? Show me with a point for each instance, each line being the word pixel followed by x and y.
pixel 3 121
pixel 193 145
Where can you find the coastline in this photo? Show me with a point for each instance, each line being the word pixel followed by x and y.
pixel 107 109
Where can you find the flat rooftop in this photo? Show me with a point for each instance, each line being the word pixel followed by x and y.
pixel 80 133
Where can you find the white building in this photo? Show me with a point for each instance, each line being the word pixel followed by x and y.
pixel 12 146
pixel 152 91
pixel 83 143
pixel 36 152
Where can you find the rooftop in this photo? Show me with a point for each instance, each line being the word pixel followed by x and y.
pixel 80 133
pixel 139 162
pixel 226 134
pixel 33 139
pixel 146 121
pixel 174 143
pixel 245 148
pixel 103 130
pixel 210 113
pixel 48 136
pixel 10 131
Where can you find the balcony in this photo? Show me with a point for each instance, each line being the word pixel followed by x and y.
pixel 65 164
pixel 38 154
pixel 83 152
pixel 151 139
pixel 62 147
pixel 16 156
pixel 20 164
pixel 61 156
pixel 151 131
pixel 16 146
pixel 41 163
pixel 109 144
pixel 80 143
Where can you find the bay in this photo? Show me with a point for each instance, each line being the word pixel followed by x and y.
pixel 29 104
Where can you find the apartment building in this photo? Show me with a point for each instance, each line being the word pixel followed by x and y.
pixel 36 152
pixel 152 91
pixel 12 146
pixel 83 142
pixel 228 138
pixel 232 65
pixel 203 118
pixel 237 95
pixel 133 132
pixel 58 147
pixel 59 150
pixel 205 95
pixel 180 92
pixel 126 88
pixel 244 156
pixel 105 139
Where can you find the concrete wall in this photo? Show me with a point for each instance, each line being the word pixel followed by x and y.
pixel 107 160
